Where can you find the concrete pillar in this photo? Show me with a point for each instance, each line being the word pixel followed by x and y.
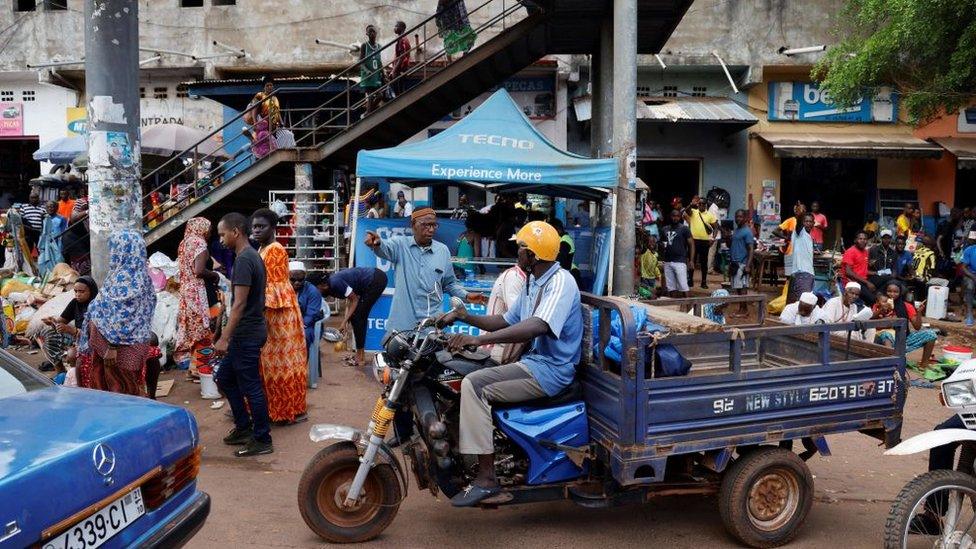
pixel 624 142
pixel 112 89
pixel 304 220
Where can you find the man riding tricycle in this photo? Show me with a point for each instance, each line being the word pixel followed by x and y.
pixel 593 412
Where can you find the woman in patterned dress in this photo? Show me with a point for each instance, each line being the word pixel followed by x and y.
pixel 284 358
pixel 194 335
pixel 118 320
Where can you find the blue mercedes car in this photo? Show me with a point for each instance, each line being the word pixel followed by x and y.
pixel 81 469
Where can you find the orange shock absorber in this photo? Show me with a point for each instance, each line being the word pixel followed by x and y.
pixel 383 419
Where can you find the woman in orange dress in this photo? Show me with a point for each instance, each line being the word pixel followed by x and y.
pixel 284 358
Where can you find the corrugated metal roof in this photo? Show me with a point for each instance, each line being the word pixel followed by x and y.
pixel 693 109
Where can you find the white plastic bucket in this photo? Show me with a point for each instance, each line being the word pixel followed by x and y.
pixel 957 353
pixel 208 389
pixel 937 302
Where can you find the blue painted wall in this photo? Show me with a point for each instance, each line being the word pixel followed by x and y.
pixel 723 156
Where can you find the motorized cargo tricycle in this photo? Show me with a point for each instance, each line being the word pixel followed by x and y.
pixel 621 433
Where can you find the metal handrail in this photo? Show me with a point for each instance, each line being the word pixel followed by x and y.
pixel 346 110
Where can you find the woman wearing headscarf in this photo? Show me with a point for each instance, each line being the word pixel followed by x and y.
pixel 895 305
pixel 284 358
pixel 119 318
pixel 49 245
pixel 65 329
pixel 194 332
pixel 716 311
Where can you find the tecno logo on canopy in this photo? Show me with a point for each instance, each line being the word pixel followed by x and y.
pixel 497 140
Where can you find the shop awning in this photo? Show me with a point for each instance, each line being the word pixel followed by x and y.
pixel 716 110
pixel 839 145
pixel 964 148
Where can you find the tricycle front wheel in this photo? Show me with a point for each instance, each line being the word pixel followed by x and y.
pixel 765 497
pixel 322 493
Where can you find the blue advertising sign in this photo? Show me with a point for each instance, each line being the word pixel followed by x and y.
pixel 806 102
pixel 376 322
pixel 448 232
pixel 600 259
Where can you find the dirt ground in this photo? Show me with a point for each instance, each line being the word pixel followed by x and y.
pixel 255 500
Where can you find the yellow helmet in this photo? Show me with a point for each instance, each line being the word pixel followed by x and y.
pixel 541 238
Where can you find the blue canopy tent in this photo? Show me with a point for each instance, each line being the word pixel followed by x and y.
pixel 496 146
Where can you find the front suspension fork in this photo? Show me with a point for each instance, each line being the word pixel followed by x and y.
pixel 379 426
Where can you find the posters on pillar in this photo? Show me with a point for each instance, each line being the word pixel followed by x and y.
pixel 769 210
pixel 11 119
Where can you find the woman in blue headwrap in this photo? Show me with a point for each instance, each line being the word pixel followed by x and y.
pixel 119 318
pixel 716 311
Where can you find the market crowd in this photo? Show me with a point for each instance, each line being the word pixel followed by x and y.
pixel 886 271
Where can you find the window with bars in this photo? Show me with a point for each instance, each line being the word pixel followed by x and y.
pixel 25 5
pixel 224 2
pixel 643 90
pixel 191 3
pixel 142 93
pixel 161 92
pixel 181 91
pixel 670 91
pixel 6 95
pixel 698 91
pixel 28 95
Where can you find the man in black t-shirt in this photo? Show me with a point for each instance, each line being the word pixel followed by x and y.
pixel 678 255
pixel 239 377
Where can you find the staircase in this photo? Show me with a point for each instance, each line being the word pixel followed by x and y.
pixel 510 36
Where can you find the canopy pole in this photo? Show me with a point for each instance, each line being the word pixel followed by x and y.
pixel 613 243
pixel 355 222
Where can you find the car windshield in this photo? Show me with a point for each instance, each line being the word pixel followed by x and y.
pixel 17 378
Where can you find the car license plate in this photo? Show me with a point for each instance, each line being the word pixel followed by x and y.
pixel 97 528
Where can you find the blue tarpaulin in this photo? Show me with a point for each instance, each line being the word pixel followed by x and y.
pixel 496 145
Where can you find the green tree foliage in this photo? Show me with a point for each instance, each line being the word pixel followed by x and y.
pixel 925 48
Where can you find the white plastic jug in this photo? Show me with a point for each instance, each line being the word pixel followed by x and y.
pixel 208 389
pixel 937 302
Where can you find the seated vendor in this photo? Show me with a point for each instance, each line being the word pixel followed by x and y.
pixel 70 321
pixel 895 306
pixel 549 318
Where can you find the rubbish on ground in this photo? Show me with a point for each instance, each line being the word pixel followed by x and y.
pixel 164 387
pixel 217 404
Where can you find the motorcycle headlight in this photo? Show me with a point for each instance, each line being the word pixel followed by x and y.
pixel 959 393
pixel 379 365
pixel 382 371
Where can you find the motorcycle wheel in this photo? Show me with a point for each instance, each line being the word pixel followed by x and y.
pixel 322 491
pixel 936 509
pixel 765 497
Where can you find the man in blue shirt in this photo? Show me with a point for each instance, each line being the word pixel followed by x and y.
pixel 969 275
pixel 740 252
pixel 422 272
pixel 361 287
pixel 309 299
pixel 549 316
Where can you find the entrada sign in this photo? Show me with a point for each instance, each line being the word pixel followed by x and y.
pixel 806 102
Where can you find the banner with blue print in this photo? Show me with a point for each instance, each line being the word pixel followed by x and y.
pixel 806 102
pixel 448 232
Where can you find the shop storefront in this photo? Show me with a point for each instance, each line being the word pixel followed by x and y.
pixel 853 161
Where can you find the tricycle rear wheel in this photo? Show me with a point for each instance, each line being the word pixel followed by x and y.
pixel 765 497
